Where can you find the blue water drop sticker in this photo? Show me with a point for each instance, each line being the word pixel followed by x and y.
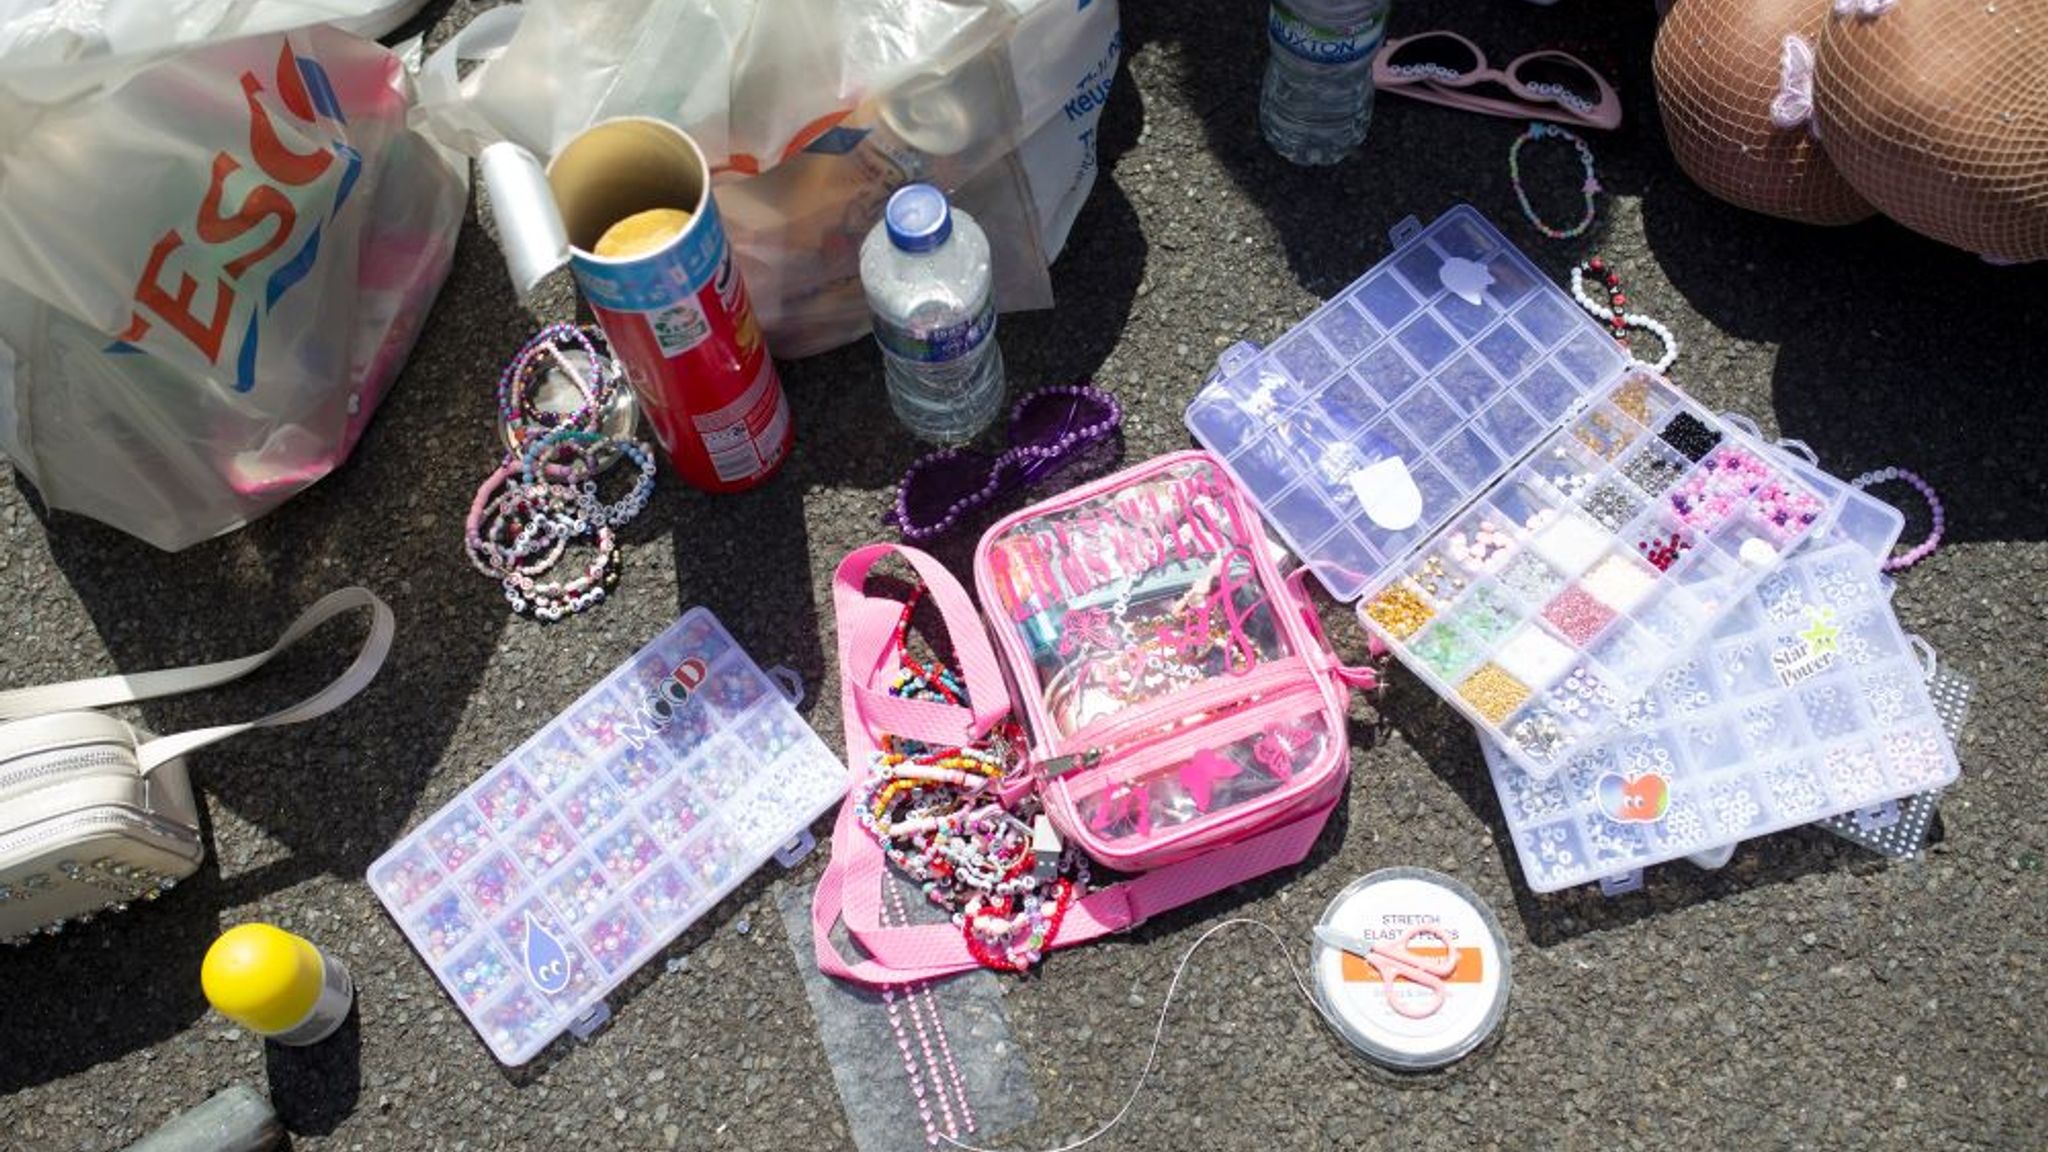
pixel 547 962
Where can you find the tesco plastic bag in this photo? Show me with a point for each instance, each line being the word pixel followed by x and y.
pixel 214 253
pixel 811 112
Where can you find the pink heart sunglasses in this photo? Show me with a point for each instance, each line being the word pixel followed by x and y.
pixel 1445 68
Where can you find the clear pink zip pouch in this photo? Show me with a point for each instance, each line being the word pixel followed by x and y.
pixel 1178 692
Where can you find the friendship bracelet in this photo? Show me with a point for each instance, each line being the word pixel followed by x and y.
pixel 1538 131
pixel 489 513
pixel 518 382
pixel 1925 548
pixel 538 538
pixel 553 600
pixel 626 507
pixel 1612 312
pixel 929 809
pixel 542 455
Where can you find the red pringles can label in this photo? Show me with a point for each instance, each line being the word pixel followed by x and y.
pixel 677 317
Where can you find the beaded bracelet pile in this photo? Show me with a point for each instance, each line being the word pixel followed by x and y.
pixel 1589 187
pixel 935 812
pixel 545 496
pixel 1614 311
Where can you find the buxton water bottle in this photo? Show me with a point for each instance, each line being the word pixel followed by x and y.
pixel 925 269
pixel 1317 98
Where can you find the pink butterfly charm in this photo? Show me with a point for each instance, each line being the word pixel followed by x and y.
pixel 1124 802
pixel 1276 748
pixel 1200 774
pixel 1086 627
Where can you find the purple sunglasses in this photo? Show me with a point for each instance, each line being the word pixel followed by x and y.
pixel 1048 430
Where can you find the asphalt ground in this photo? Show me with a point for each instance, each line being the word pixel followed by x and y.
pixel 1806 995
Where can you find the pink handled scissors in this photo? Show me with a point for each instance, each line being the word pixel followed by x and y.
pixel 1398 964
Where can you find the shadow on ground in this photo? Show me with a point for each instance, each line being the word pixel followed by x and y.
pixel 325 803
pixel 1332 223
pixel 1892 350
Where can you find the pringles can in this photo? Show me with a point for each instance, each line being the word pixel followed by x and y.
pixel 675 312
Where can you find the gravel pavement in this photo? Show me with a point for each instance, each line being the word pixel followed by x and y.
pixel 1807 995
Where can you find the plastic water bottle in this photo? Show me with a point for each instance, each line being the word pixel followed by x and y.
pixel 925 269
pixel 1317 98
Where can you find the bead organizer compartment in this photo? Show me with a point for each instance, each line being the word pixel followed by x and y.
pixel 1456 446
pixel 1785 716
pixel 1900 829
pixel 1591 566
pixel 543 885
pixel 1453 356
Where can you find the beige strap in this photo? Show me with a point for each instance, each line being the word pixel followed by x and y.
pixel 105 690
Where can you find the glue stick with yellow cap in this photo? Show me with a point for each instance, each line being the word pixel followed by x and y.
pixel 276 984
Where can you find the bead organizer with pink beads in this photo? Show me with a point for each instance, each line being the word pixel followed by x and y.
pixel 546 883
pixel 1451 443
pixel 1609 552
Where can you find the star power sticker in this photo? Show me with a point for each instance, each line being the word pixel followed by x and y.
pixel 1820 636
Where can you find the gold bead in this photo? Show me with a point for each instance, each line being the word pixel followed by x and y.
pixel 1493 692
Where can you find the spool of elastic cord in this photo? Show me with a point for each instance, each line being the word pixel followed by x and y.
pixel 1421 980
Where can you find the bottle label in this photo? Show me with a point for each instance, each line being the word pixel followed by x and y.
pixel 941 344
pixel 1320 44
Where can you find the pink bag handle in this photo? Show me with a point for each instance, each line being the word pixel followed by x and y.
pixel 867 636
pixel 1363 677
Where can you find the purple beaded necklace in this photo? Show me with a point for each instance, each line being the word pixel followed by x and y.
pixel 1925 548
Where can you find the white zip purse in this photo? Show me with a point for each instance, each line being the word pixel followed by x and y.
pixel 93 813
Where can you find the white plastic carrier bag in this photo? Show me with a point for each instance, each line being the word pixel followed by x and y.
pixel 811 112
pixel 218 239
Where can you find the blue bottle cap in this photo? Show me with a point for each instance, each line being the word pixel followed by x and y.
pixel 918 218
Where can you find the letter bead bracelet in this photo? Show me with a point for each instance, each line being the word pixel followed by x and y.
pixel 545 496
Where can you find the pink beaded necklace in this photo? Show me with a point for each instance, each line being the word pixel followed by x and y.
pixel 929 1082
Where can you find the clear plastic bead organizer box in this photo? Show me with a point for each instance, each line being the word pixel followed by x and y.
pixel 1453 443
pixel 1808 701
pixel 546 883
pixel 1741 740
